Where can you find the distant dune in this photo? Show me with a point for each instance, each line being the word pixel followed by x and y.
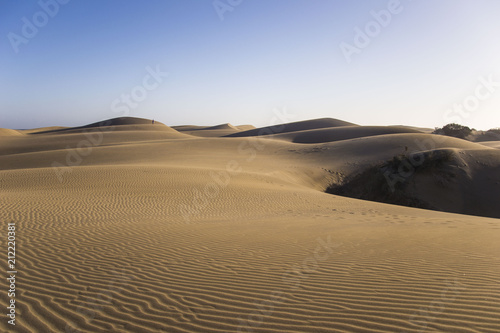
pixel 226 126
pixel 109 132
pixel 420 129
pixel 295 126
pixel 126 226
pixel 42 129
pixel 122 121
pixel 118 124
pixel 210 131
pixel 482 136
pixel 340 133
pixel 245 127
pixel 492 144
pixel 8 132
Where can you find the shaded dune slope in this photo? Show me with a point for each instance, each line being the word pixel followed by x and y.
pixel 452 180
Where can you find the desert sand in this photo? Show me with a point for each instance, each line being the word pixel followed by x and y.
pixel 126 226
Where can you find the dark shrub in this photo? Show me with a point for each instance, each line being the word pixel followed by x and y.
pixel 454 130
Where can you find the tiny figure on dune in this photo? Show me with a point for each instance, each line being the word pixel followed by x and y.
pixel 153 121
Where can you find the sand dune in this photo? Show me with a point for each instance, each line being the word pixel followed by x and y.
pixel 115 124
pixel 482 136
pixel 340 133
pixel 8 132
pixel 182 128
pixel 295 126
pixel 245 127
pixel 226 126
pixel 87 138
pixel 212 131
pixel 120 121
pixel 492 144
pixel 452 180
pixel 190 128
pixel 42 129
pixel 420 129
pixel 152 229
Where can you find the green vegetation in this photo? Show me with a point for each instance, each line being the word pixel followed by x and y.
pixel 389 182
pixel 454 130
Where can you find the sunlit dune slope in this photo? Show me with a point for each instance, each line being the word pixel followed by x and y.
pixel 9 132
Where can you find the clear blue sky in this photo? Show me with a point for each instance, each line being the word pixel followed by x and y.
pixel 264 54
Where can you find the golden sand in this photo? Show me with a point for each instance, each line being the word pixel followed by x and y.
pixel 134 227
